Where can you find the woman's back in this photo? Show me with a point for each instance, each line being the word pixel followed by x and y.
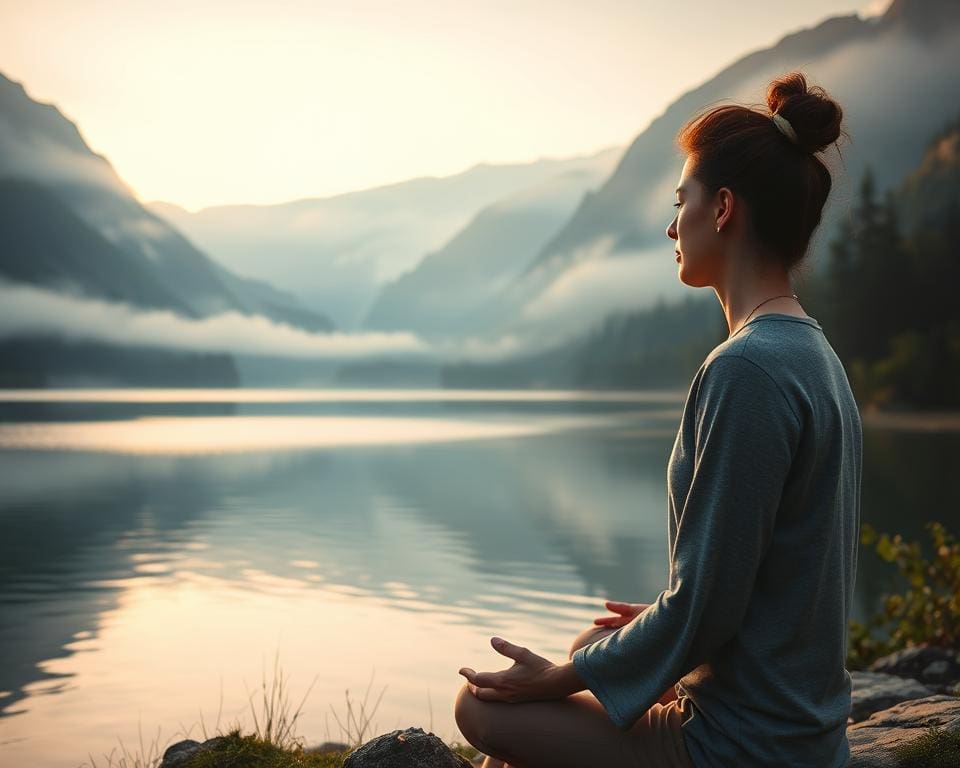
pixel 763 498
pixel 776 689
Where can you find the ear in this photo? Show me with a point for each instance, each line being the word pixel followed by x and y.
pixel 724 203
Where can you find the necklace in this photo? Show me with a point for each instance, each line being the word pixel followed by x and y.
pixel 785 296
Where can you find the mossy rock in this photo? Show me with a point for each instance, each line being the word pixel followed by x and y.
pixel 237 751
pixel 936 748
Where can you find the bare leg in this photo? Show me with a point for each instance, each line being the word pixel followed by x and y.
pixel 575 731
pixel 590 635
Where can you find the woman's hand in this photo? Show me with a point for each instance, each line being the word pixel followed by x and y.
pixel 531 678
pixel 625 613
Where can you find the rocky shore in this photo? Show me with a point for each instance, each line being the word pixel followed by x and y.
pixel 899 700
pixel 905 714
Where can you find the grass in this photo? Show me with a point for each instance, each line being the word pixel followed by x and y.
pixel 936 748
pixel 142 756
pixel 357 722
pixel 274 742
pixel 276 724
pixel 251 751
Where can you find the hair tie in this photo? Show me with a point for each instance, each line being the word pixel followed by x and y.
pixel 783 125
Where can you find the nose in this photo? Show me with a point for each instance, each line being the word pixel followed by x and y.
pixel 672 229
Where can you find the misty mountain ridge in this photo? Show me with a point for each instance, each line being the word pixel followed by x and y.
pixel 541 255
pixel 39 145
pixel 913 265
pixel 891 76
pixel 444 295
pixel 339 252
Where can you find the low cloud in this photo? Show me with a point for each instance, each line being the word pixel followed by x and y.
pixel 581 297
pixel 488 350
pixel 26 311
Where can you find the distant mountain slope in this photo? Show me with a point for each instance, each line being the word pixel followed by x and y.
pixel 38 144
pixel 911 267
pixel 930 195
pixel 338 252
pixel 437 296
pixel 42 242
pixel 895 78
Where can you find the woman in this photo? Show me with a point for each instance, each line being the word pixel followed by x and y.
pixel 740 661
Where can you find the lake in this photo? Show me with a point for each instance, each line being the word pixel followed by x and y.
pixel 161 549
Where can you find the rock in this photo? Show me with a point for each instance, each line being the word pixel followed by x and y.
pixel 938 668
pixel 874 691
pixel 872 742
pixel 411 748
pixel 177 755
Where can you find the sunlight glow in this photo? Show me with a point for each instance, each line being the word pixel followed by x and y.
pixel 231 434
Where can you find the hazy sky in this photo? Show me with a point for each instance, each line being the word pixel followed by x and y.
pixel 207 102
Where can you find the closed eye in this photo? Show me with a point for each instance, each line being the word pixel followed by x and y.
pixel 676 205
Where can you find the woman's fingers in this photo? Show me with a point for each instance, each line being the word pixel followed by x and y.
pixel 485 685
pixel 626 612
pixel 626 609
pixel 511 651
pixel 612 621
pixel 481 679
pixel 489 694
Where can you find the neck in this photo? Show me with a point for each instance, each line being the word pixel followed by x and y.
pixel 745 286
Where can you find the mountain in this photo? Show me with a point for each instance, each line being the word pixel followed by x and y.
pixel 898 254
pixel 338 252
pixel 65 183
pixel 436 297
pixel 43 242
pixel 893 76
pixel 930 195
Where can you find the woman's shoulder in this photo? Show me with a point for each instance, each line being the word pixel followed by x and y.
pixel 777 344
pixel 782 352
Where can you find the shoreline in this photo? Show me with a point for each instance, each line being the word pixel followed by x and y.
pixel 912 421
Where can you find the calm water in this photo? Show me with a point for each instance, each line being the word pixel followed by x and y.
pixel 158 548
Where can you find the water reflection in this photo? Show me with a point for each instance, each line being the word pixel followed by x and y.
pixel 132 578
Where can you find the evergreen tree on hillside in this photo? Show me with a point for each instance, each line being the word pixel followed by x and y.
pixel 887 299
pixel 868 278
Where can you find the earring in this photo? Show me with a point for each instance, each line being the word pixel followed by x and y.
pixel 718 229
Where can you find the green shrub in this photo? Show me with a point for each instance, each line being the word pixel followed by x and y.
pixel 926 612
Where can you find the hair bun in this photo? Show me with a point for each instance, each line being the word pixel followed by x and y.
pixel 815 116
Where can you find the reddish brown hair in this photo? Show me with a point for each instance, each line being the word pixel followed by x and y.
pixel 783 182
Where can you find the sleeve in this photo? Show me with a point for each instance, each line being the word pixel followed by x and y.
pixel 746 435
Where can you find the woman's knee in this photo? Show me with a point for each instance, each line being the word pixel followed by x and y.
pixel 588 636
pixel 469 714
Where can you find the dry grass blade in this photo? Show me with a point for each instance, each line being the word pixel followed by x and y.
pixel 276 722
pixel 355 725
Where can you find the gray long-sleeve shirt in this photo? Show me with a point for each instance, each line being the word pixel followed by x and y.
pixel 763 520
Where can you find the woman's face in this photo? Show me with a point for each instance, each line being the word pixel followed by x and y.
pixel 694 229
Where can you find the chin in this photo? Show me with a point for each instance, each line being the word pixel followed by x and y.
pixel 691 280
